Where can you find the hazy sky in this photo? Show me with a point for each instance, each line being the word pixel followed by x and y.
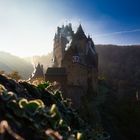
pixel 27 27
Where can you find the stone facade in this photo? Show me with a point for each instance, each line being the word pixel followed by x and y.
pixel 76 53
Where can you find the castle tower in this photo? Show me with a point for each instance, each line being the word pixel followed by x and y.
pixel 80 60
pixel 62 37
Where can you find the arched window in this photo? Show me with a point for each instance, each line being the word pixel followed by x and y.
pixel 76 59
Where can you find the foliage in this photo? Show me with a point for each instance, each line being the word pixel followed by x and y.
pixel 14 75
pixel 2 72
pixel 124 115
pixel 120 65
pixel 32 113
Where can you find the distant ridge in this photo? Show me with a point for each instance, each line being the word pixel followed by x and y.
pixel 9 63
pixel 45 60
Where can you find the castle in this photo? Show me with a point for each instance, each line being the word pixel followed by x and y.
pixel 75 62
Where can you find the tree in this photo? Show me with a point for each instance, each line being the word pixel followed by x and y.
pixel 2 72
pixel 14 75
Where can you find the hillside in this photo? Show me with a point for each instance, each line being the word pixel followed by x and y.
pixel 10 63
pixel 120 65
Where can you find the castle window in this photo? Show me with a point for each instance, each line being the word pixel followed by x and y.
pixel 76 59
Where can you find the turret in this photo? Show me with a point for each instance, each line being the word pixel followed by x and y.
pixel 80 33
pixel 37 73
pixel 62 37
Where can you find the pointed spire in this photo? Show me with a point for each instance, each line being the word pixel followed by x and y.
pixel 88 36
pixel 80 33
pixel 80 29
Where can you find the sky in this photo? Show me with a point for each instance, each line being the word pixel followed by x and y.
pixel 27 27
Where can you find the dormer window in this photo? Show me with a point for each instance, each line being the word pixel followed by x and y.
pixel 76 59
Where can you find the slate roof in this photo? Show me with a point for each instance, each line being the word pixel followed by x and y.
pixel 80 33
pixel 56 71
